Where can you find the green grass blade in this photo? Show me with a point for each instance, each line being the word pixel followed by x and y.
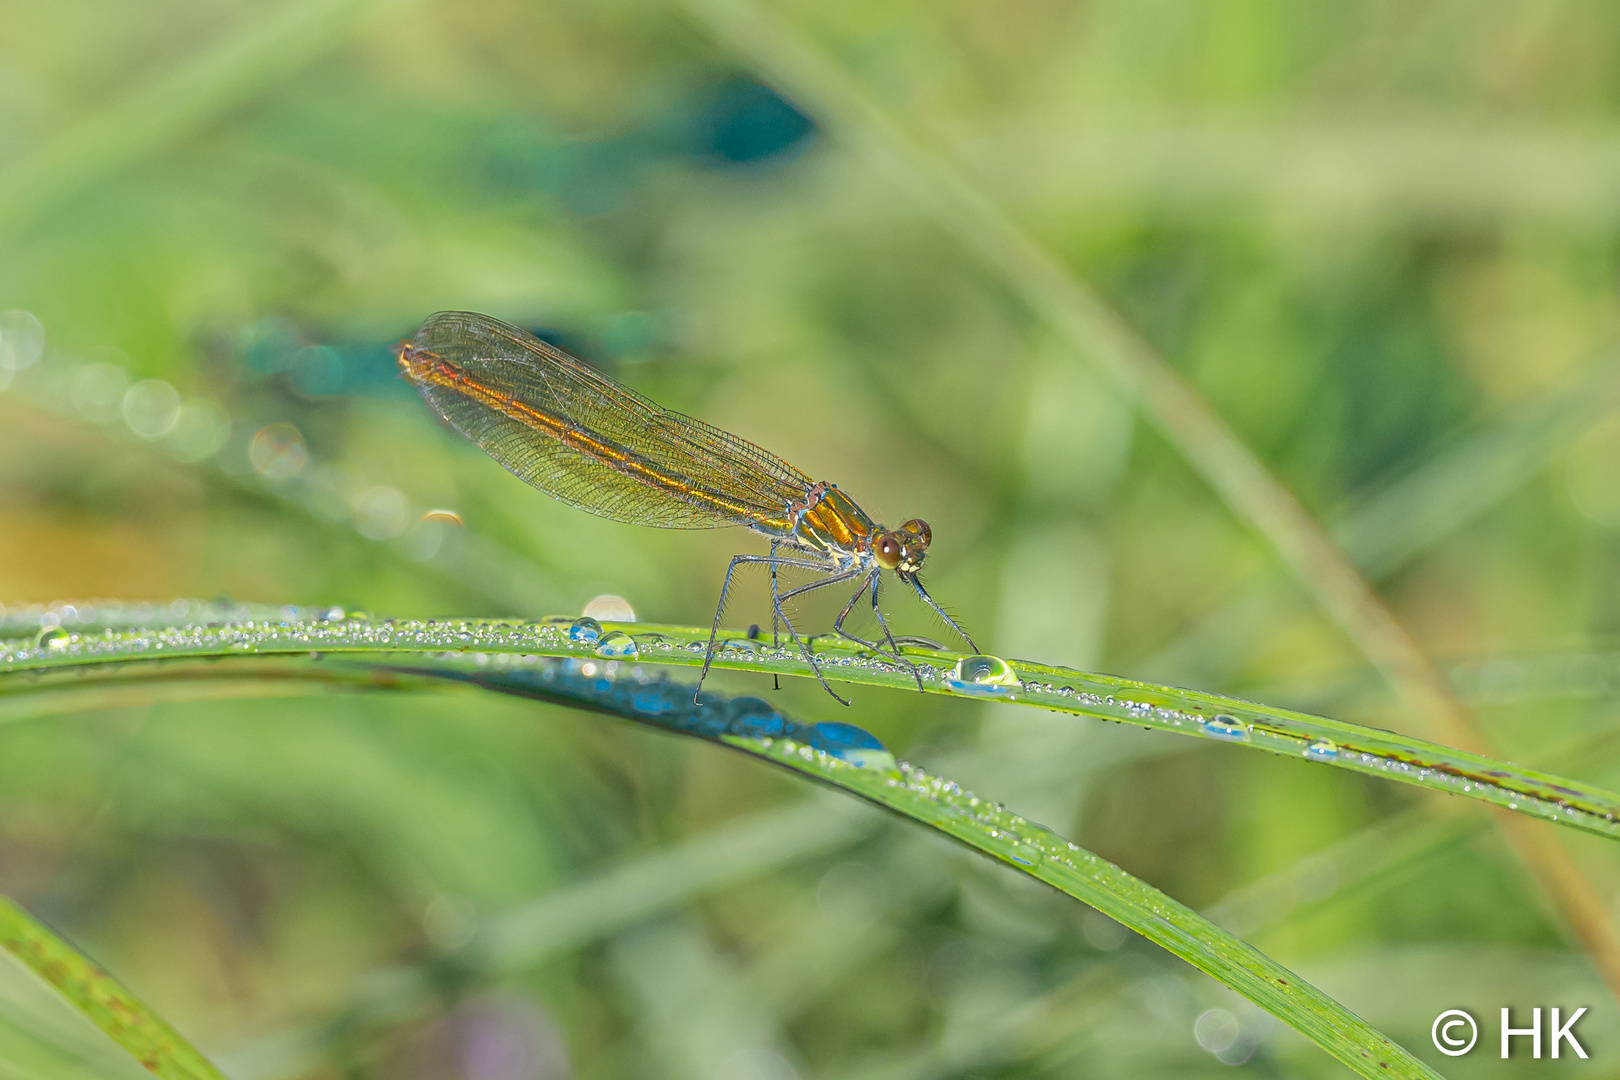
pixel 69 654
pixel 100 998
pixel 848 759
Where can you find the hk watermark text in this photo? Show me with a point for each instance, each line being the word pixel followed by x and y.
pixel 1456 1032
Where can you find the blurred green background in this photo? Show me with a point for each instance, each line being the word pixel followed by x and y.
pixel 1379 239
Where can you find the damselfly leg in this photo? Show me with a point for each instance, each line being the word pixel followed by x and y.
pixel 872 584
pixel 835 576
pixel 776 680
pixel 915 583
pixel 777 614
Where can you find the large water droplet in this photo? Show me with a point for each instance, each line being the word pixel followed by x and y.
pixel 1229 728
pixel 616 644
pixel 1322 750
pixel 52 639
pixel 610 608
pixel 654 701
pixel 586 631
pixel 855 745
pixel 982 676
pixel 754 718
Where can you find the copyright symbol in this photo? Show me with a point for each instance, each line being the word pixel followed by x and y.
pixel 1447 1039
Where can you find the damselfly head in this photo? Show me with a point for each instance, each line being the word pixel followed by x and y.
pixel 886 549
pixel 904 548
pixel 918 533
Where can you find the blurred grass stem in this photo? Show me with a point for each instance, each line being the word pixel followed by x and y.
pixel 1387 528
pixel 96 994
pixel 272 45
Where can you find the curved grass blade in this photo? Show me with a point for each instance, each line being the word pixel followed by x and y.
pixel 849 759
pixel 846 757
pixel 1186 712
pixel 97 995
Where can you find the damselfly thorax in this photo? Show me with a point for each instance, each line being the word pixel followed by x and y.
pixel 588 441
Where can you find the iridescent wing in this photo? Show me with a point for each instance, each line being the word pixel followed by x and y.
pixel 582 438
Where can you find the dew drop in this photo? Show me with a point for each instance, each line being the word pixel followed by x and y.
pixel 1229 728
pixel 982 676
pixel 585 630
pixel 615 643
pixel 1322 750
pixel 754 718
pixel 52 639
pixel 654 701
pixel 853 744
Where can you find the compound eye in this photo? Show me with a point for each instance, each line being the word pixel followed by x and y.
pixel 886 550
pixel 919 528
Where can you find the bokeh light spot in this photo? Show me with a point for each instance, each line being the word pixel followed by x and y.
pixel 277 452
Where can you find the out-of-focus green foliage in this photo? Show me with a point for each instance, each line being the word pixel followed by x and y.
pixel 1378 239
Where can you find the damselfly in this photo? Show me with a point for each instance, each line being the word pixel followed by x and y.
pixel 584 439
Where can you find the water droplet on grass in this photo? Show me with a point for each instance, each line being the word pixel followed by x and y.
pixel 1229 728
pixel 754 718
pixel 1322 750
pixel 982 676
pixel 614 643
pixel 855 745
pixel 586 631
pixel 52 639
